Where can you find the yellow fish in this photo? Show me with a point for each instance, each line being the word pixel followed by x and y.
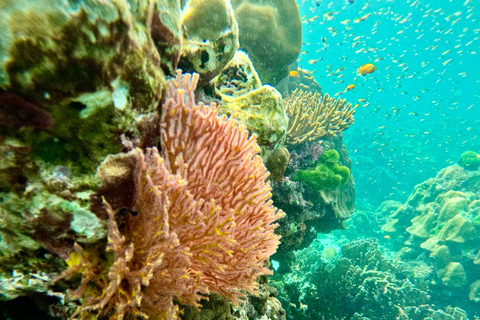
pixel 294 74
pixel 366 69
pixel 349 87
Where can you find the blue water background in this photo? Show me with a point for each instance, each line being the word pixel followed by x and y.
pixel 422 108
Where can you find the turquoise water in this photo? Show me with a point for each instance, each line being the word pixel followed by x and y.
pixel 422 108
pixel 79 164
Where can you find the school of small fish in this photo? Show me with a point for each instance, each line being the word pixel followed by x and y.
pixel 412 66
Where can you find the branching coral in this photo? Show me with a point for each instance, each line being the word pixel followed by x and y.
pixel 313 117
pixel 205 220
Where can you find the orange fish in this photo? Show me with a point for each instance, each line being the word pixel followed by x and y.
pixel 294 74
pixel 366 69
pixel 349 87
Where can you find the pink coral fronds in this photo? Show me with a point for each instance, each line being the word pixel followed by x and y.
pixel 205 219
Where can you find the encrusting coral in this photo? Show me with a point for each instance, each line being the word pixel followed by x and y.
pixel 204 221
pixel 259 107
pixel 313 116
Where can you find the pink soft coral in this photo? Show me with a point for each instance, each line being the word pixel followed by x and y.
pixel 205 220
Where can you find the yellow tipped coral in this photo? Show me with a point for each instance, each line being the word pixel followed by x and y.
pixel 313 117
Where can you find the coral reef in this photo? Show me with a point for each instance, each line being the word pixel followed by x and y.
pixel 309 211
pixel 82 90
pixel 202 237
pixel 271 33
pixel 440 222
pixel 359 283
pixel 210 35
pixel 312 117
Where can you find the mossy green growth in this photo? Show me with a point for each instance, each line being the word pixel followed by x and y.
pixel 327 175
pixel 470 160
pixel 85 132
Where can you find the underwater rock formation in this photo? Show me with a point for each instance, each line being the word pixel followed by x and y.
pixel 309 211
pixel 259 107
pixel 77 79
pixel 440 223
pixel 360 282
pixel 60 51
pixel 271 33
pixel 210 35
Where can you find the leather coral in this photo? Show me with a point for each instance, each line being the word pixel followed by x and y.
pixel 205 221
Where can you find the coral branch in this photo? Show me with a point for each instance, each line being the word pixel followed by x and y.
pixel 313 117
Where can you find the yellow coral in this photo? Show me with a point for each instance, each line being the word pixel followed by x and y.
pixel 313 117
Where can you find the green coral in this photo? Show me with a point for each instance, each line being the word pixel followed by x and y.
pixel 470 160
pixel 327 175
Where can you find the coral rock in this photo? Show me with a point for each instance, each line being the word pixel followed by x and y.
pixel 474 294
pixel 271 33
pixel 454 275
pixel 261 111
pixel 238 77
pixel 277 163
pixel 210 37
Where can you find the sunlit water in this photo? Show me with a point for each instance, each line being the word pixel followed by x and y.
pixel 421 108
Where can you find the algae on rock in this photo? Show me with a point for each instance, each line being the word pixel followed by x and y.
pixel 210 35
pixel 270 31
pixel 261 111
pixel 259 107
pixel 78 81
